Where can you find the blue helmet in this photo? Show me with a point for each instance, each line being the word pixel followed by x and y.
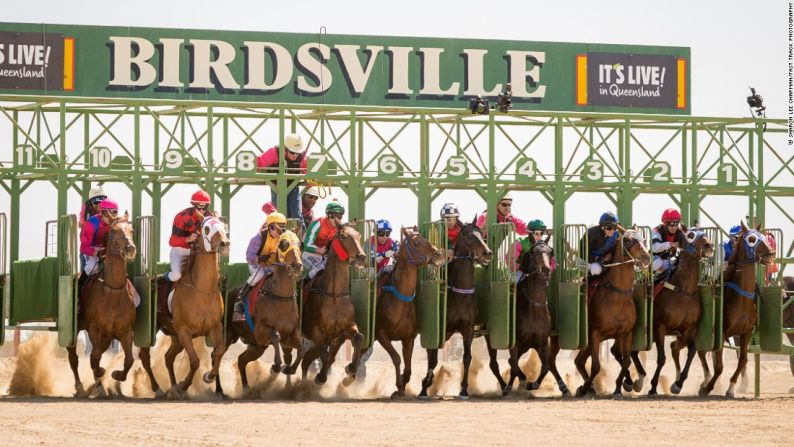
pixel 736 229
pixel 384 225
pixel 608 218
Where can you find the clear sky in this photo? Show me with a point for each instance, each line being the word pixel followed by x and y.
pixel 733 43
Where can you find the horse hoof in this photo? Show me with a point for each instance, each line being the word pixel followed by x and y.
pixel 275 369
pixel 703 392
pixel 289 370
pixel 652 392
pixel 617 395
pixel 350 369
pixel 522 383
pixel 208 377
pixel 533 386
pixel 347 381
pixel 79 392
pixel 159 393
pixel 422 395
pixel 675 389
pixel 100 391
pixel 729 394
pixel 638 384
pixel 119 375
pixel 566 392
pixel 581 391
pixel 100 372
pixel 464 395
pixel 319 380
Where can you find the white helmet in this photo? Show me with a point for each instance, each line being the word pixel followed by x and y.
pixel 311 191
pixel 449 210
pixel 294 143
pixel 507 197
pixel 97 191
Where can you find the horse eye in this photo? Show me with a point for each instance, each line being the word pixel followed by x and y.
pixel 207 231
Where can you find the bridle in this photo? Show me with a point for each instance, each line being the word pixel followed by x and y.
pixel 412 253
pixel 468 236
pixel 633 239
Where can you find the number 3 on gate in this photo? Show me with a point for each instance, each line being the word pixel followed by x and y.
pixel 592 171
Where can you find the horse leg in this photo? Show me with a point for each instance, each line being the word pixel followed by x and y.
pixel 217 353
pixel 357 339
pixel 326 359
pixel 554 349
pixel 625 362
pixel 705 365
pixel 73 363
pixel 516 369
pixel 228 341
pixel 579 361
pixel 744 340
pixel 296 341
pixel 170 356
pixel 675 351
pixel 101 345
pixel 494 365
pixel 675 388
pixel 628 384
pixel 468 337
pixel 395 359
pixel 126 344
pixel 641 373
pixel 408 351
pixel 146 361
pixel 275 340
pixel 658 338
pixel 311 355
pixel 252 352
pixel 705 390
pixel 432 361
pixel 186 341
pixel 543 354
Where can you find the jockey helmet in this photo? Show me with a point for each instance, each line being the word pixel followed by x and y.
pixel 449 210
pixel 108 204
pixel 200 198
pixel 334 207
pixel 671 215
pixel 311 191
pixel 507 197
pixel 96 191
pixel 536 225
pixel 294 143
pixel 276 218
pixel 384 225
pixel 736 229
pixel 607 219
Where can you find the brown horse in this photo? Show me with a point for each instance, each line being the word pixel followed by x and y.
pixel 328 313
pixel 395 315
pixel 276 318
pixel 197 308
pixel 677 308
pixel 462 310
pixel 611 312
pixel 739 311
pixel 533 320
pixel 108 311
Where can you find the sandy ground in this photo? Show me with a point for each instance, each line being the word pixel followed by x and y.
pixel 38 407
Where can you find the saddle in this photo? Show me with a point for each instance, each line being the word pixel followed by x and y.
pixel 163 290
pixel 592 284
pixel 308 283
pixel 253 294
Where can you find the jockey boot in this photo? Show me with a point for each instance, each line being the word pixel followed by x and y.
pixel 81 281
pixel 239 312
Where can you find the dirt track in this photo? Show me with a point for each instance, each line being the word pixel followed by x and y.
pixel 362 414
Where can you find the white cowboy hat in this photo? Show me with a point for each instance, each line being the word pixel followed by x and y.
pixel 294 143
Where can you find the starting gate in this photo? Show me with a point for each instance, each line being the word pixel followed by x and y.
pixel 362 285
pixel 709 333
pixel 569 308
pixel 432 294
pixel 770 301
pixel 68 270
pixel 643 299
pixel 3 277
pixel 143 273
pixel 498 308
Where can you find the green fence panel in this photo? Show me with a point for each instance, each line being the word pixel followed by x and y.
pixel 568 311
pixel 482 293
pixel 709 332
pixel 706 338
pixel 34 291
pixel 570 304
pixel 362 284
pixel 643 299
pixel 770 318
pixel 432 293
pixel 502 315
pixel 67 311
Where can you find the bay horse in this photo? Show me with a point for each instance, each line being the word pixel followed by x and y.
pixel 611 312
pixel 395 314
pixel 462 310
pixel 197 308
pixel 108 312
pixel 276 318
pixel 533 320
pixel 739 309
pixel 676 309
pixel 328 312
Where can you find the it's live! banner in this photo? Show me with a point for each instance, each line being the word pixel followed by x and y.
pixel 36 61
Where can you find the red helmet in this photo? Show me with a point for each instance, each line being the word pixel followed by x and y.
pixel 200 197
pixel 671 215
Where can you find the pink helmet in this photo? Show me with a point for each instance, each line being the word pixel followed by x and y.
pixel 671 215
pixel 108 204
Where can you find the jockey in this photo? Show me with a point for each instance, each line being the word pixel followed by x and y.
pixel 727 246
pixel 261 255
pixel 319 235
pixel 667 238
pixel 536 231
pixel 601 240
pixel 187 223
pixel 450 214
pixel 295 163
pixel 503 214
pixel 384 247
pixel 93 237
pixel 91 206
pixel 308 200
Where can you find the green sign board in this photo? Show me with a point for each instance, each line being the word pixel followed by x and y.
pixel 208 65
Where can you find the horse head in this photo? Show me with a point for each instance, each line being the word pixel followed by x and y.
pixel 288 253
pixel 537 261
pixel 213 237
pixel 697 243
pixel 350 240
pixel 120 238
pixel 415 249
pixel 633 244
pixel 754 247
pixel 471 243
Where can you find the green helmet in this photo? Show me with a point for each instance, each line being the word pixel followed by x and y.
pixel 334 207
pixel 536 225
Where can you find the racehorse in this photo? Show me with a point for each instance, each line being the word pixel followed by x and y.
pixel 611 312
pixel 276 318
pixel 108 312
pixel 533 320
pixel 197 308
pixel 395 314
pixel 462 310
pixel 676 309
pixel 739 311
pixel 328 312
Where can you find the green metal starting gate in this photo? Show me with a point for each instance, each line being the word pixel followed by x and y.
pixel 68 271
pixel 142 272
pixel 363 289
pixel 3 277
pixel 770 301
pixel 709 332
pixel 643 298
pixel 569 306
pixel 432 293
pixel 496 290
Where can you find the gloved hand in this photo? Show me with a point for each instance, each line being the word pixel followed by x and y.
pixel 264 258
pixel 378 258
pixel 389 253
pixel 269 208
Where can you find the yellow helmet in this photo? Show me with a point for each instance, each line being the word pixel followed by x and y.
pixel 276 218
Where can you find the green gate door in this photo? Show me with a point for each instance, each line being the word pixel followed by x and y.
pixel 709 333
pixel 362 285
pixel 501 303
pixel 770 303
pixel 432 294
pixel 569 309
pixel 143 272
pixel 3 277
pixel 643 299
pixel 68 269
